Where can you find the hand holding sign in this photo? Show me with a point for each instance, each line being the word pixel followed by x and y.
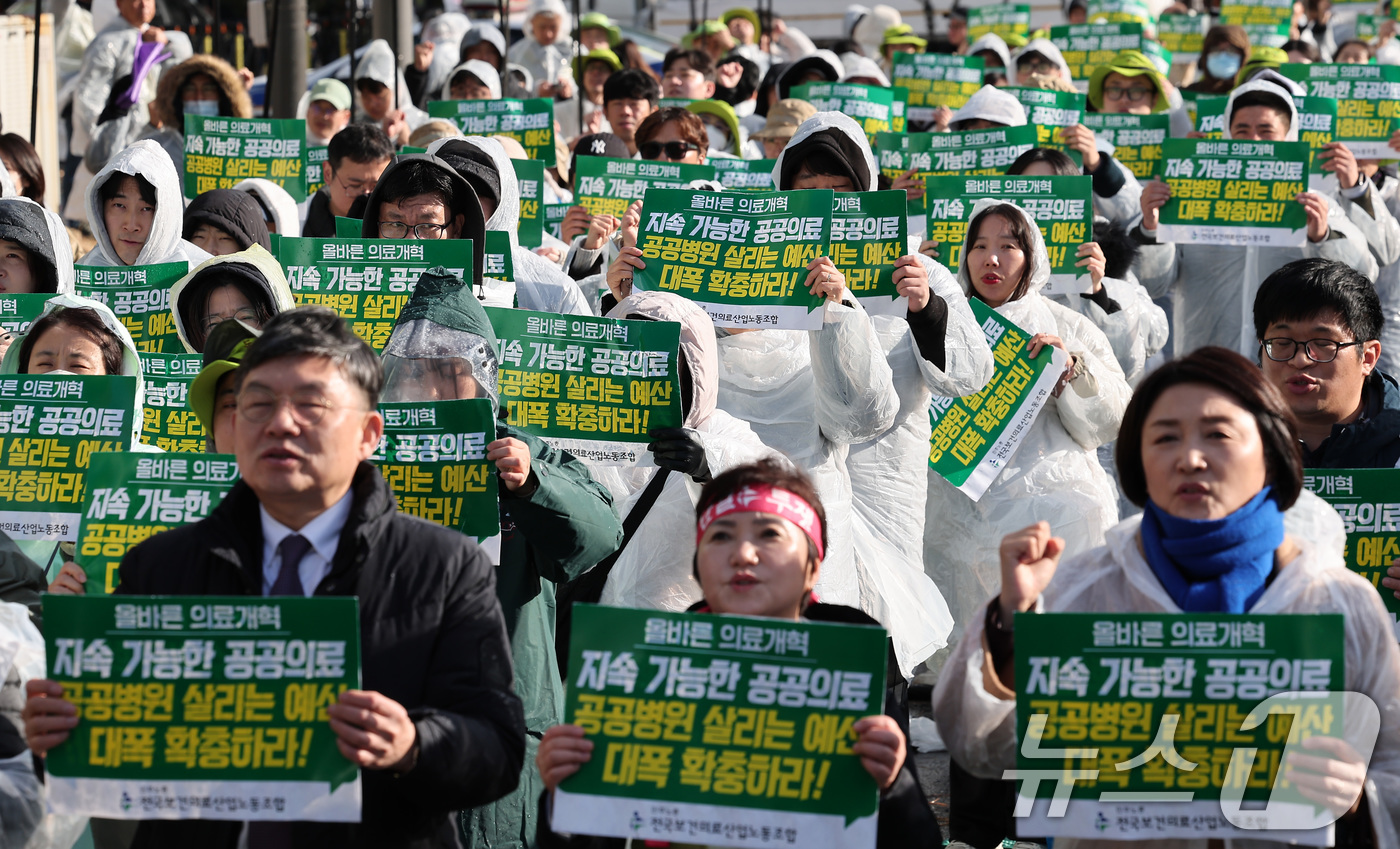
pixel 1340 160
pixel 911 281
pixel 1392 579
pixel 1154 196
pixel 562 750
pixel 1335 778
pixel 373 731
pixel 629 259
pixel 70 580
pixel 1094 260
pixel 1029 558
pixel 880 745
pixel 48 717
pixel 1316 205
pixel 824 280
pixel 1081 138
pixel 512 459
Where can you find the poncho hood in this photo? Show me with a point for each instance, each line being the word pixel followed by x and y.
pixel 254 266
pixel 1045 48
pixel 443 319
pixel 234 212
pixel 488 75
pixel 828 63
pixel 506 218
pixel 851 142
pixel 995 43
pixel 274 199
pixel 1039 259
pixel 991 104
pixel 23 222
pixel 146 159
pixel 698 345
pixel 1267 87
pixel 464 201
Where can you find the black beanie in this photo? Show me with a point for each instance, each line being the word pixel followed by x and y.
pixel 843 149
pixel 236 213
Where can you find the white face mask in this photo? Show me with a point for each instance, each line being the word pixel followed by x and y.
pixel 60 371
pixel 207 108
pixel 718 140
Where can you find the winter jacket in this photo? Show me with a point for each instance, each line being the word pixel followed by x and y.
pixel 255 267
pixel 551 535
pixel 1370 442
pixel 320 221
pixel 432 638
pixel 166 125
pixel 23 222
pixel 163 242
pixel 905 819
pixel 939 351
pixel 1213 286
pixel 1054 473
pixel 539 284
pixel 235 213
pixel 977 717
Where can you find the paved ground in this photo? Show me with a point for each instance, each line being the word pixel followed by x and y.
pixel 933 769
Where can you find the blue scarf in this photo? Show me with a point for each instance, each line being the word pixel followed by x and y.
pixel 1214 565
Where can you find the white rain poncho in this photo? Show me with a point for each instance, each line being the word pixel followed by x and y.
pixel 261 269
pixel 488 75
pixel 980 728
pixel 539 284
pixel 286 220
pixel 990 103
pixel 377 63
pixel 547 63
pixel 163 243
pixel 888 470
pixel 812 395
pixel 7 185
pixel 1055 472
pixel 1045 48
pixel 654 570
pixel 445 32
pixel 1386 187
pixel 995 43
pixel 1213 286
pixel 859 67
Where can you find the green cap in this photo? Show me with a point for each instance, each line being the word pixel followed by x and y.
pixel 598 20
pixel 747 14
pixel 903 34
pixel 333 91
pixel 223 352
pixel 710 27
pixel 1259 59
pixel 1129 63
pixel 722 111
pixel 598 54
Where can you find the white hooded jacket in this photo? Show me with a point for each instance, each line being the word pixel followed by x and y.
pixel 654 570
pixel 1214 285
pixel 980 725
pixel 889 469
pixel 163 244
pixel 990 103
pixel 1055 472
pixel 539 284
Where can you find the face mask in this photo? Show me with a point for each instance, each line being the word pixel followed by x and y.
pixel 207 108
pixel 718 139
pixel 1223 65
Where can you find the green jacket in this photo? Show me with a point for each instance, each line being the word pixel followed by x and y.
pixel 554 535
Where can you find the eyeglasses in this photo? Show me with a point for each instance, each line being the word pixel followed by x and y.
pixel 1133 95
pixel 259 407
pixel 357 187
pixel 1281 349
pixel 400 230
pixel 247 315
pixel 1037 66
pixel 672 149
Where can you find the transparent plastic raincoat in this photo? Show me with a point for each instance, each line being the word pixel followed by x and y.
pixel 377 63
pixel 1054 474
pixel 163 243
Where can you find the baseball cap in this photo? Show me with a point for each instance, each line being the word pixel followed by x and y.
pixel 333 91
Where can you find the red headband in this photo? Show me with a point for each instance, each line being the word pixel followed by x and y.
pixel 762 498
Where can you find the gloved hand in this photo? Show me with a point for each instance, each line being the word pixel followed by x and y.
pixel 680 449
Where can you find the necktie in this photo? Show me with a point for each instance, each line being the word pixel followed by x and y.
pixel 278 835
pixel 292 548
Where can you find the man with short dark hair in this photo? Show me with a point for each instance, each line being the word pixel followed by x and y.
pixel 423 197
pixel 1319 324
pixel 629 96
pixel 688 74
pixel 438 727
pixel 355 158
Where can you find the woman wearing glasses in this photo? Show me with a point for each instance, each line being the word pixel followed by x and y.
pixel 248 286
pixel 673 134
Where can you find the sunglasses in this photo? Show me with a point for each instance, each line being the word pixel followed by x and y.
pixel 672 149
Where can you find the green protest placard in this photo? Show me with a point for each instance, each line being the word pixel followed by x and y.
pixel 591 386
pixel 433 454
pixel 975 437
pixel 17 312
pixel 1256 13
pixel 899 110
pixel 721 730
pixel 606 186
pixel 741 256
pixel 50 427
pixel 1369 26
pixel 1062 207
pixel 1368 500
pixel 869 232
pixel 203 707
pixel 1268 35
pixel 1050 111
pixel 529 174
pixel 1317 121
pixel 530 122
pixel 936 79
pixel 368 281
pixel 139 296
pixel 1086 46
pixel 971 152
pixel 869 105
pixel 168 423
pixel 1234 192
pixel 1003 20
pixel 315 175
pixel 677 102
pixel 745 175
pixel 221 152
pixel 1136 139
pixel 1150 708
pixel 1368 103
pixel 131 496
pixel 1120 12
pixel 1183 35
pixel 554 218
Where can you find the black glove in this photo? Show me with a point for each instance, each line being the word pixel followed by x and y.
pixel 111 111
pixel 680 449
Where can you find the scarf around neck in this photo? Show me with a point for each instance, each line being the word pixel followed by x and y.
pixel 1214 565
